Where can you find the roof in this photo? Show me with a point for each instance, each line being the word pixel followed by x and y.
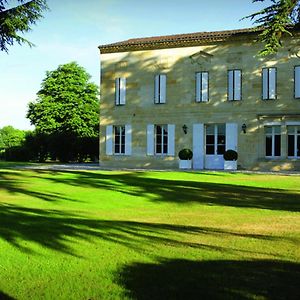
pixel 176 41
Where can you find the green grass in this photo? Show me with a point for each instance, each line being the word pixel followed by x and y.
pixel 148 235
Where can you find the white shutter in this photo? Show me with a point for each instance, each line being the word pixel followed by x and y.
pixel 230 85
pixel 198 87
pixel 163 88
pixel 150 139
pixel 109 140
pixel 171 139
pixel 156 88
pixel 198 146
pixel 122 90
pixel 128 134
pixel 204 87
pixel 231 136
pixel 237 84
pixel 272 83
pixel 117 91
pixel 265 76
pixel 297 82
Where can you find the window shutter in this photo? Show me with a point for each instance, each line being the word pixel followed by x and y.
pixel 156 89
pixel 163 88
pixel 230 85
pixel 231 136
pixel 171 139
pixel 122 90
pixel 117 91
pixel 150 139
pixel 204 87
pixel 198 87
pixel 237 84
pixel 265 76
pixel 297 82
pixel 198 146
pixel 128 134
pixel 272 83
pixel 109 140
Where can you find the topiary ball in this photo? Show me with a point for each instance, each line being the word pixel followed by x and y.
pixel 185 154
pixel 230 155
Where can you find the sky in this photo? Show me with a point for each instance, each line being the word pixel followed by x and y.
pixel 72 30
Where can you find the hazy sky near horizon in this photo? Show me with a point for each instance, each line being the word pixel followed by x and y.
pixel 73 29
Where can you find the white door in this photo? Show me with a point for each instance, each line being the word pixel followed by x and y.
pixel 215 144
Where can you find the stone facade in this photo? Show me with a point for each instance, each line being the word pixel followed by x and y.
pixel 180 64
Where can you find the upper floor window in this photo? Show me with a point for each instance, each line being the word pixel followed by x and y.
pixel 160 87
pixel 268 83
pixel 297 82
pixel 273 140
pixel 201 86
pixel 120 91
pixel 293 141
pixel 234 85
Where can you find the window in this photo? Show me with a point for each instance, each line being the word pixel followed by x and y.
pixel 201 86
pixel 160 88
pixel 119 139
pixel 293 141
pixel 273 141
pixel 297 81
pixel 161 139
pixel 215 139
pixel 120 91
pixel 268 83
pixel 234 85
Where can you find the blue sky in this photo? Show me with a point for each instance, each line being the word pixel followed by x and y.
pixel 72 30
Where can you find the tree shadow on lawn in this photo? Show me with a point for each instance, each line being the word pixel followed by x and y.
pixel 217 279
pixel 185 191
pixel 4 296
pixel 62 231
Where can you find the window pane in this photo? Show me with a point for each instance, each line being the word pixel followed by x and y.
pixel 272 83
pixel 158 148
pixel 221 129
pixel 298 146
pixel 298 129
pixel 158 129
pixel 210 129
pixel 277 145
pixel 277 129
pixel 268 129
pixel 221 149
pixel 165 148
pixel 268 146
pixel 210 149
pixel 123 148
pixel 291 145
pixel 158 139
pixel 291 129
pixel 210 139
pixel 117 148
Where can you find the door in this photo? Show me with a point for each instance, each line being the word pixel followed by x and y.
pixel 215 144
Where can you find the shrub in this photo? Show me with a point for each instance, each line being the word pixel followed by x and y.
pixel 185 154
pixel 230 155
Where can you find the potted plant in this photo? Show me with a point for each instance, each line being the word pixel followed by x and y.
pixel 230 159
pixel 185 158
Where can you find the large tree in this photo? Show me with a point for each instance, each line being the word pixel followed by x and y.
pixel 18 19
pixel 66 109
pixel 276 20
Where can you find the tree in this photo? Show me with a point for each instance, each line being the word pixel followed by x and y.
pixel 18 19
pixel 10 137
pixel 66 109
pixel 276 20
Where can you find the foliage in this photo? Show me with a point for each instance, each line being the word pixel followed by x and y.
pixel 185 154
pixel 66 113
pixel 148 235
pixel 18 19
pixel 230 155
pixel 11 137
pixel 275 20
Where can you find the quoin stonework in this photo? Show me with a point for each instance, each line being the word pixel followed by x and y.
pixel 207 91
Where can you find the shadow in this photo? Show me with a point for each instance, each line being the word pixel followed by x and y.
pixel 186 191
pixel 4 296
pixel 227 279
pixel 61 231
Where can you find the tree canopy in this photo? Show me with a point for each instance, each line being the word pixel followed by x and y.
pixel 276 20
pixel 18 19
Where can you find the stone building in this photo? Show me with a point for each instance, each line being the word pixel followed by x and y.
pixel 207 91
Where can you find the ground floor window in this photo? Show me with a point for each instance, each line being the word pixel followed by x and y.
pixel 273 140
pixel 215 139
pixel 161 139
pixel 119 139
pixel 293 141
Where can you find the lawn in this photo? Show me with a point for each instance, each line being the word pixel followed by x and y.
pixel 148 235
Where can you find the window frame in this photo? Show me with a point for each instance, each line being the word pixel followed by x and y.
pixel 118 91
pixel 122 129
pixel 233 84
pixel 296 136
pixel 273 135
pixel 268 83
pixel 157 98
pixel 200 85
pixel 164 140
